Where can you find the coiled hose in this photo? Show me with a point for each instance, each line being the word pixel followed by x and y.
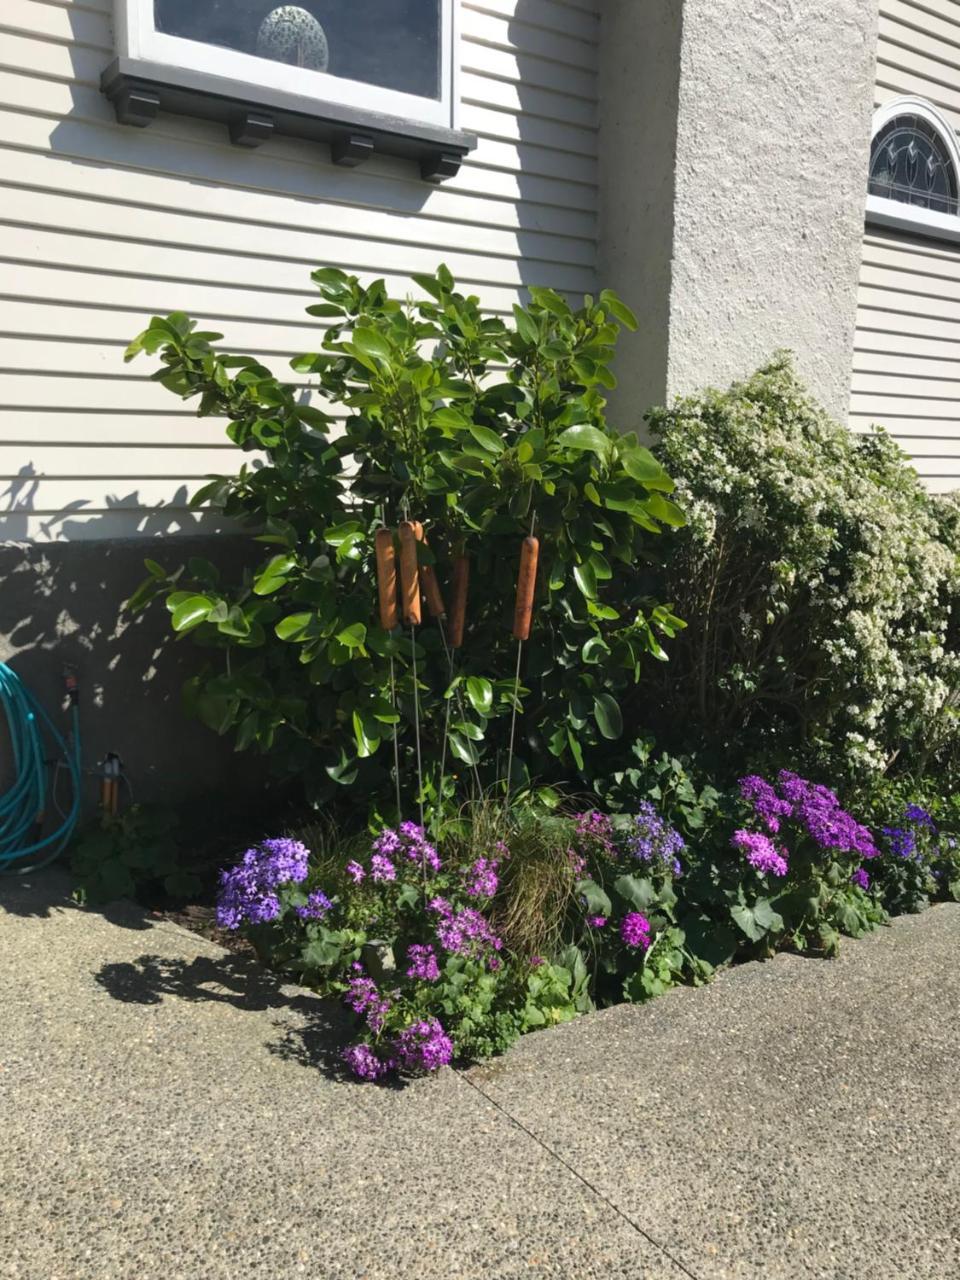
pixel 22 807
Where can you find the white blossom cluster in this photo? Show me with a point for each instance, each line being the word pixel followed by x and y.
pixel 826 557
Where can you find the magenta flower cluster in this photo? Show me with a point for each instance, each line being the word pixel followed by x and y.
pixel 595 831
pixel 767 805
pixel 812 807
pixel 410 843
pixel 635 930
pixel 424 1046
pixel 465 932
pixel 364 997
pixel 483 878
pixel 760 852
pixel 423 965
pixel 248 891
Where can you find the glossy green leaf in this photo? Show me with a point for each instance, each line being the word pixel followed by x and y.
pixel 586 438
pixel 606 712
pixel 191 612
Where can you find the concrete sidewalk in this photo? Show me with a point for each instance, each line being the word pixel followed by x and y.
pixel 165 1114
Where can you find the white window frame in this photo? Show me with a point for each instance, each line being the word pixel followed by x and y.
pixel 138 38
pixel 884 212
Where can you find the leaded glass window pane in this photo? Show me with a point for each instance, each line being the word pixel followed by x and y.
pixel 391 43
pixel 909 162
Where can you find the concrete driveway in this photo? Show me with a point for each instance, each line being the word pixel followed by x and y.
pixel 166 1114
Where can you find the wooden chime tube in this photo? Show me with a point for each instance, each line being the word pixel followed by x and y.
pixel 458 600
pixel 409 573
pixel 386 552
pixel 526 588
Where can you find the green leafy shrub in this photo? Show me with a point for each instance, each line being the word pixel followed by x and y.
pixel 820 581
pixel 133 854
pixel 482 431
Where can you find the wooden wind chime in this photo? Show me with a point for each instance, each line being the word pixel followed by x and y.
pixel 401 580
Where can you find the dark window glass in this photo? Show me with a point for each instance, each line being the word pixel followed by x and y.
pixel 910 163
pixel 392 43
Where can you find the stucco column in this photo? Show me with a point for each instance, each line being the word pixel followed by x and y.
pixel 770 143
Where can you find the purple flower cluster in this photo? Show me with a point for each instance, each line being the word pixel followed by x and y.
pixel 364 1063
pixel 363 996
pixel 317 907
pixel 818 810
pixel 382 869
pixel 860 878
pixel 356 872
pixel 760 852
pixel 596 922
pixel 424 1046
pixel 595 830
pixel 409 842
pixel 465 932
pixel 919 816
pixel 423 963
pixel 767 805
pixel 654 841
pixel 635 930
pixel 483 878
pixel 903 843
pixel 248 890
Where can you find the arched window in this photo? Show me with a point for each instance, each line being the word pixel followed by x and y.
pixel 914 181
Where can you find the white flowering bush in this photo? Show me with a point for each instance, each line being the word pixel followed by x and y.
pixel 819 580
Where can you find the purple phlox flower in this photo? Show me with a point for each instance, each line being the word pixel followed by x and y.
pixel 818 810
pixel 860 878
pixel 356 872
pixel 919 816
pixel 409 842
pixel 760 852
pixel 465 932
pixel 423 1046
pixel 382 869
pixel 635 930
pixel 536 962
pixel 248 890
pixel 364 1063
pixel 767 805
pixel 423 963
pixel 903 843
pixel 482 879
pixel 654 841
pixel 318 904
pixel 494 964
pixel 578 862
pixel 595 830
pixel 363 996
pixel 596 922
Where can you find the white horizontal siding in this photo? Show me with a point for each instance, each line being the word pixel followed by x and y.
pixel 906 364
pixel 102 226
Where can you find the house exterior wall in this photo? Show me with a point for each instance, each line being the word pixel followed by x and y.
pixel 103 225
pixel 760 116
pixel 905 363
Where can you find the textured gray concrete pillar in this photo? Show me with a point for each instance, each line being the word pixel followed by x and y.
pixel 770 142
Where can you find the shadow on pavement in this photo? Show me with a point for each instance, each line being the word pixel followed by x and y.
pixel 47 892
pixel 314 1036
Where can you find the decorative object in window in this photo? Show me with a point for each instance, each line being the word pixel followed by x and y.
pixel 914 181
pixel 369 76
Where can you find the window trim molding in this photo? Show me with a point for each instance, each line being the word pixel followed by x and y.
pixel 897 214
pixel 154 71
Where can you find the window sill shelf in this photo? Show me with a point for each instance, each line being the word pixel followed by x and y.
pixel 140 90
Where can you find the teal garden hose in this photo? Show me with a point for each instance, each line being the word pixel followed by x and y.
pixel 23 846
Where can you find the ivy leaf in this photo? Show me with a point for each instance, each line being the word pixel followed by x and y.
pixel 606 712
pixel 191 612
pixel 480 693
pixel 372 343
pixel 589 439
pixel 586 579
pixel 486 438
